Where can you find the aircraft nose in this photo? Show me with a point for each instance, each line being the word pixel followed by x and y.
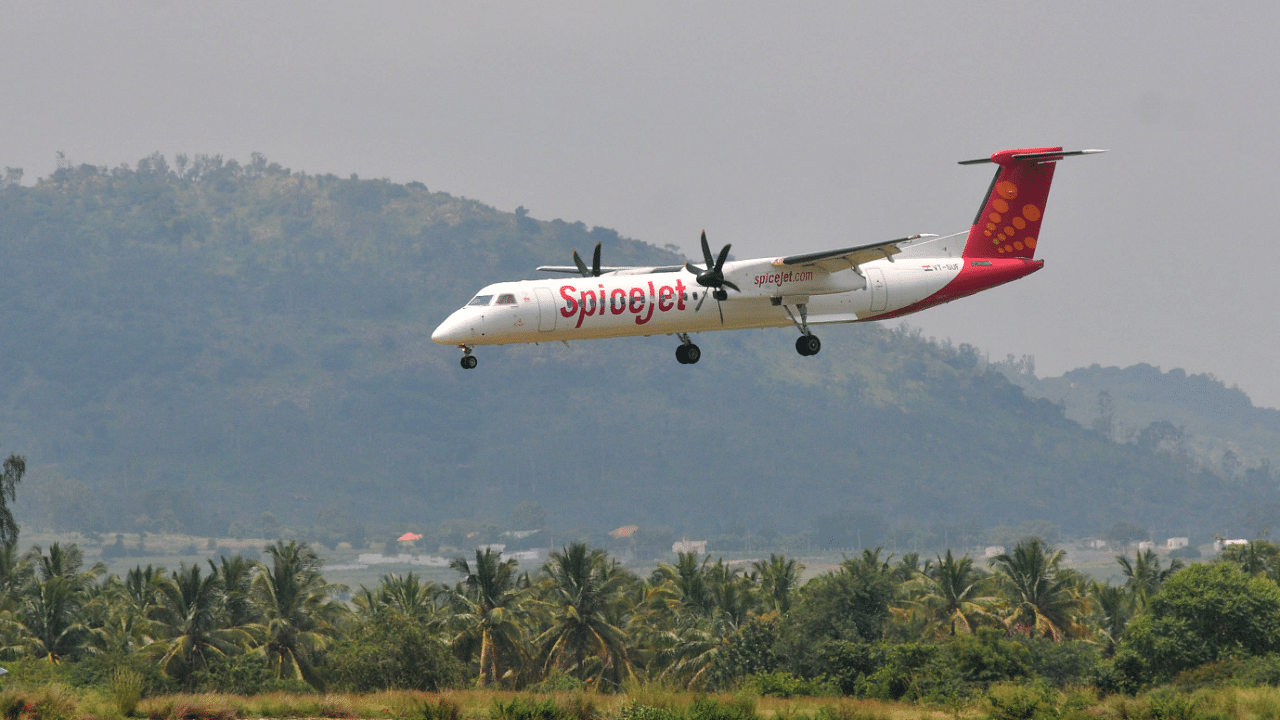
pixel 451 332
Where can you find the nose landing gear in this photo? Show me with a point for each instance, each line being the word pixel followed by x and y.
pixel 469 361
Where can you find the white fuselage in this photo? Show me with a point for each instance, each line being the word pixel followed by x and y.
pixel 656 303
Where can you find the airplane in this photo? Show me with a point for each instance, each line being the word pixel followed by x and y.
pixel 874 281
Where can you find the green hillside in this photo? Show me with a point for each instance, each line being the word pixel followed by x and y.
pixel 192 346
pixel 1217 426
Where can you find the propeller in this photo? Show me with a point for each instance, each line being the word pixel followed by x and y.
pixel 594 270
pixel 713 275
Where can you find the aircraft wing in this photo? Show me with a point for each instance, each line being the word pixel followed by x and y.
pixel 620 270
pixel 850 257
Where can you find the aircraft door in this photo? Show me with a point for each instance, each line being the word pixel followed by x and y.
pixel 546 309
pixel 879 290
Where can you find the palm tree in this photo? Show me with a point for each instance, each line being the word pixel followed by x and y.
pixel 691 653
pixel 236 574
pixel 488 615
pixel 1114 608
pixel 1143 576
pixel 406 596
pixel 583 589
pixel 689 578
pixel 954 596
pixel 188 616
pixel 144 587
pixel 51 611
pixel 410 597
pixel 51 616
pixel 778 578
pixel 1042 597
pixel 299 620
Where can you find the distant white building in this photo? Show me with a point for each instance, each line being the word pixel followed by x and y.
pixel 1218 545
pixel 1176 543
pixel 690 546
pixel 1095 544
pixel 493 547
pixel 994 550
pixel 1146 545
pixel 401 559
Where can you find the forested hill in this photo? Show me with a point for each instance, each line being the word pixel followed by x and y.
pixel 190 347
pixel 1217 425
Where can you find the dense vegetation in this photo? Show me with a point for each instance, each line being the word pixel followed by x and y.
pixel 938 630
pixel 230 349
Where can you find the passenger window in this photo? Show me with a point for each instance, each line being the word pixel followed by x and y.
pixel 480 300
pixel 506 299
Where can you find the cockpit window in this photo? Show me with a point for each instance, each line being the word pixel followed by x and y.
pixel 480 300
pixel 506 299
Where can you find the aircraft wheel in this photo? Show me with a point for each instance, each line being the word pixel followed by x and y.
pixel 808 345
pixel 720 294
pixel 692 354
pixel 681 356
pixel 469 362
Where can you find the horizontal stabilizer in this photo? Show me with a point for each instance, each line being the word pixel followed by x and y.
pixel 1036 156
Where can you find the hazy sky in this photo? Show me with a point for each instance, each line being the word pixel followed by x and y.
pixel 779 127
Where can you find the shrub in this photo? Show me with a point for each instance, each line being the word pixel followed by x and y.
pixel 444 709
pixel 126 690
pixel 1061 663
pixel 848 711
pixel 1008 701
pixel 522 709
pixel 247 674
pixel 785 685
pixel 394 652
pixel 740 708
pixel 334 706
pixel 50 703
pixel 557 681
pixel 12 705
pixel 1237 672
pixel 1169 705
pixel 636 711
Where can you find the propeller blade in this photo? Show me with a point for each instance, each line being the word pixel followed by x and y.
pixel 595 262
pixel 582 267
pixel 700 301
pixel 723 254
pixel 692 269
pixel 730 285
pixel 706 250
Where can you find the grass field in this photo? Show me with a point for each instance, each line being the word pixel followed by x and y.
pixel 1004 702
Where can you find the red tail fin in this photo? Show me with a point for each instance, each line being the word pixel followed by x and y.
pixel 1008 225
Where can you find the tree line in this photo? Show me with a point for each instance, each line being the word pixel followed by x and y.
pixel 875 626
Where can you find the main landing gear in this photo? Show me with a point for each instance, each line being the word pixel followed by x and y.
pixel 687 353
pixel 808 343
pixel 469 361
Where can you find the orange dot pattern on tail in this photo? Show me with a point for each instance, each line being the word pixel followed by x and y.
pixel 1006 240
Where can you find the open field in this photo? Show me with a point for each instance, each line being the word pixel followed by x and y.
pixel 20 700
